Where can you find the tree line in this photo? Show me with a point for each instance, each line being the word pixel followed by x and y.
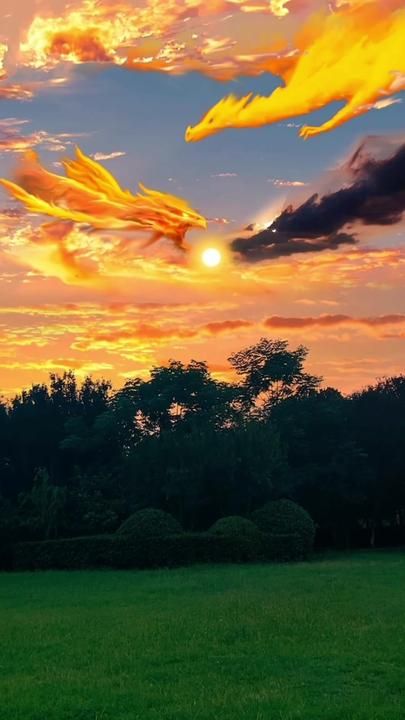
pixel 78 458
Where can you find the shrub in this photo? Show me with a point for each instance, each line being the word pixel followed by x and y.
pixel 150 523
pixel 284 517
pixel 244 533
pixel 282 548
pixel 128 551
pixel 235 526
pixel 68 554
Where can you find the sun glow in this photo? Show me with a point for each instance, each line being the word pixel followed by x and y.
pixel 211 257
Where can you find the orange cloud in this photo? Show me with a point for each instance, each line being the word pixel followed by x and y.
pixel 224 326
pixel 15 92
pixel 154 36
pixel 12 141
pixel 330 321
pixel 123 339
pixel 128 336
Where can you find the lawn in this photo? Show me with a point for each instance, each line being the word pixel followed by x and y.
pixel 313 641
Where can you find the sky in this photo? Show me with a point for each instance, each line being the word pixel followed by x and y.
pixel 102 304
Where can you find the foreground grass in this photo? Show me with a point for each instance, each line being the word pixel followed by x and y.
pixel 318 641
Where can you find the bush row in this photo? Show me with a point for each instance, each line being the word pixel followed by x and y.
pixel 121 551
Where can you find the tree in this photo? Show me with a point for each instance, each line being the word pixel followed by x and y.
pixel 378 424
pixel 200 449
pixel 180 395
pixel 95 503
pixel 271 372
pixel 40 510
pixel 207 473
pixel 329 471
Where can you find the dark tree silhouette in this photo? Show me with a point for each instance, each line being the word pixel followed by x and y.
pixel 271 372
pixel 78 458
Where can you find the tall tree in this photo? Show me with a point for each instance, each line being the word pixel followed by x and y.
pixel 180 395
pixel 271 372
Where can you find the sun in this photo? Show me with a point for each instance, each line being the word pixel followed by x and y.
pixel 211 257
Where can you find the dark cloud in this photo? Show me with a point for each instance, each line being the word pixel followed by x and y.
pixel 372 193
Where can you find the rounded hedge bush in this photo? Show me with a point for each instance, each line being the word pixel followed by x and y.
pixel 245 537
pixel 284 517
pixel 150 523
pixel 235 526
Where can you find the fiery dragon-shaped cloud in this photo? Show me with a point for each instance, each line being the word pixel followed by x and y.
pixel 91 195
pixel 353 54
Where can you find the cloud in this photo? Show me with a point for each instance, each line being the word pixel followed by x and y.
pixel 129 335
pixel 266 245
pixel 286 183
pixel 81 369
pixel 124 338
pixel 152 36
pixel 382 104
pixel 330 321
pixel 224 326
pixel 372 193
pixel 13 141
pixel 15 92
pixel 108 156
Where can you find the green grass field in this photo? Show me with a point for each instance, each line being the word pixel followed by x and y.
pixel 317 641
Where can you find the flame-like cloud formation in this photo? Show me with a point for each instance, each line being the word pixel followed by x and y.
pixel 354 54
pixel 372 193
pixel 150 36
pixel 91 195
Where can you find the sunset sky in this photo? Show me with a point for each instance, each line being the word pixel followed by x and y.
pixel 101 304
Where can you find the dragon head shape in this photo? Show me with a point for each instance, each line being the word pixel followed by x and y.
pixel 174 216
pixel 224 115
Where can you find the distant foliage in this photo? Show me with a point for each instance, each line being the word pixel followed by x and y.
pixel 284 517
pixel 150 523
